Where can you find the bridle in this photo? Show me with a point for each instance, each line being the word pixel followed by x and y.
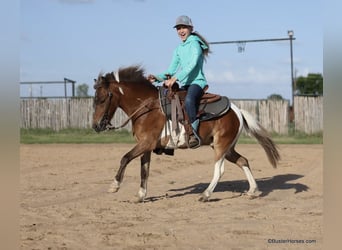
pixel 105 117
pixel 148 105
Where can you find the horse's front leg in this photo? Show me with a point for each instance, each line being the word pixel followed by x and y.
pixel 139 149
pixel 115 185
pixel 144 173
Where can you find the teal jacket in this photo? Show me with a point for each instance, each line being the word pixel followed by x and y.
pixel 187 63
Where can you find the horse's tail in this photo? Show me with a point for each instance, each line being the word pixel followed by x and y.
pixel 253 127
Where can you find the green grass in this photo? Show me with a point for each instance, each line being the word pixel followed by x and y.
pixel 297 138
pixel 46 136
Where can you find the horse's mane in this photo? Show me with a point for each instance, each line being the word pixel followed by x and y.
pixel 133 73
pixel 128 75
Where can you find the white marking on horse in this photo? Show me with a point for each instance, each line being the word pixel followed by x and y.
pixel 177 137
pixel 114 186
pixel 252 123
pixel 239 115
pixel 142 193
pixel 116 74
pixel 253 187
pixel 218 172
pixel 121 91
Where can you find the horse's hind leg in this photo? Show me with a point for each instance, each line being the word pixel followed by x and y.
pixel 144 173
pixel 218 172
pixel 242 162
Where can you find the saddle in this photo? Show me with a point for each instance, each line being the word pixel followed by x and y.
pixel 172 104
pixel 211 105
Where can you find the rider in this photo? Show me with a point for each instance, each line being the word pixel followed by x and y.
pixel 187 68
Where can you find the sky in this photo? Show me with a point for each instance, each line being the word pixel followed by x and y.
pixel 78 39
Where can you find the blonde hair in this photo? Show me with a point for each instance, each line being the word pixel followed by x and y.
pixel 207 50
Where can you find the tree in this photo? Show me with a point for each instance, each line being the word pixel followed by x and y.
pixel 310 85
pixel 275 97
pixel 82 90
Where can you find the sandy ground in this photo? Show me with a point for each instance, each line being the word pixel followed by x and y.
pixel 64 202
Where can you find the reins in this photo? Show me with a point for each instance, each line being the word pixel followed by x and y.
pixel 144 104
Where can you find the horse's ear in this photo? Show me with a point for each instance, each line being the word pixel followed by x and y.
pixel 95 83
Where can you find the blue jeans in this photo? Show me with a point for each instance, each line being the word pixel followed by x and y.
pixel 192 100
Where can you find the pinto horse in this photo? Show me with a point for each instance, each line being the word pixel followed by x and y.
pixel 129 90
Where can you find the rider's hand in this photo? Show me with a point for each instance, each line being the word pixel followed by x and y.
pixel 151 78
pixel 170 81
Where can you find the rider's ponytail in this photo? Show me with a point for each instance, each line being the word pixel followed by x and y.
pixel 207 50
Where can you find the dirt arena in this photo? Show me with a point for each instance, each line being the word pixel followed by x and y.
pixel 64 202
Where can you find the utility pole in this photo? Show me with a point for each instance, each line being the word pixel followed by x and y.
pixel 241 48
pixel 290 33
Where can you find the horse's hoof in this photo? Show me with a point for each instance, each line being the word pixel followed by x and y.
pixel 142 194
pixel 252 195
pixel 140 200
pixel 113 188
pixel 204 198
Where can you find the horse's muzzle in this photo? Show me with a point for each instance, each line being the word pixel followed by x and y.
pixel 102 125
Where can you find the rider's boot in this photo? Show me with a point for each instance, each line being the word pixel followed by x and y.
pixel 194 139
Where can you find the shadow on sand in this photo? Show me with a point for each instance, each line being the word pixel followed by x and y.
pixel 266 186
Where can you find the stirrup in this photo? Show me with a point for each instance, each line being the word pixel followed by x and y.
pixel 194 141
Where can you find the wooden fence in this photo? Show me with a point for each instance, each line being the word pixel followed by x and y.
pixel 308 114
pixel 273 115
pixel 63 113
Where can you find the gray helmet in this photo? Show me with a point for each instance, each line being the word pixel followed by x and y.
pixel 183 20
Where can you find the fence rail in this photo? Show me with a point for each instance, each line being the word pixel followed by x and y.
pixel 64 113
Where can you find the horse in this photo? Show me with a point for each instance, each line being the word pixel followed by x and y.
pixel 129 89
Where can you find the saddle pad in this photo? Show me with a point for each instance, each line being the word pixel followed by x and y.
pixel 214 109
pixel 207 111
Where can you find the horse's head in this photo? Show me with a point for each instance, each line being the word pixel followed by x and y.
pixel 105 102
